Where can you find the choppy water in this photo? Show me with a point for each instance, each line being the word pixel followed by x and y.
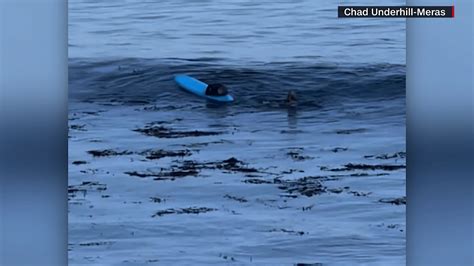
pixel 349 76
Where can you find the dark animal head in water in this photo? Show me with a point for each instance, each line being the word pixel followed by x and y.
pixel 216 90
pixel 291 97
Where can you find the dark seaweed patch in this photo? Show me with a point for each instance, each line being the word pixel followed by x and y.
pixel 100 243
pixel 155 108
pixel 158 154
pixel 193 168
pixel 171 175
pixel 257 181
pixel 149 154
pixel 204 144
pixel 164 132
pixel 360 174
pixel 107 152
pixel 338 149
pixel 164 212
pixel 291 171
pixel 392 226
pixel 78 127
pixel 227 257
pixel 253 176
pixel 87 185
pixel 291 131
pixel 336 177
pixel 307 186
pixel 351 167
pixel 164 175
pixel 157 199
pixel 293 232
pixel 360 194
pixel 79 162
pixel 232 164
pixel 396 201
pixel 385 167
pixel 311 186
pixel 190 210
pixel 336 190
pixel 84 187
pixel 399 155
pixel 239 199
pixel 138 174
pixel 297 156
pixel 350 131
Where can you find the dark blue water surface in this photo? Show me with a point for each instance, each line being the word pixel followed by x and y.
pixel 233 30
pixel 349 79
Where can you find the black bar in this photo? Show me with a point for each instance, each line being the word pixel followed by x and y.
pixel 395 11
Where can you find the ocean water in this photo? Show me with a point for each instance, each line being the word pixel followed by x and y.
pixel 159 176
pixel 233 30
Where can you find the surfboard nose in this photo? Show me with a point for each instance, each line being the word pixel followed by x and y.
pixel 178 78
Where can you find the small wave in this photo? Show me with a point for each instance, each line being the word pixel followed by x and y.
pixel 135 81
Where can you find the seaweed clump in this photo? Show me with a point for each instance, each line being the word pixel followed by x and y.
pixel 164 132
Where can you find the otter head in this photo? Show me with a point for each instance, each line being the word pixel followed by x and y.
pixel 291 97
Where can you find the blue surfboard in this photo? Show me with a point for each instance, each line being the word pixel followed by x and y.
pixel 199 88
